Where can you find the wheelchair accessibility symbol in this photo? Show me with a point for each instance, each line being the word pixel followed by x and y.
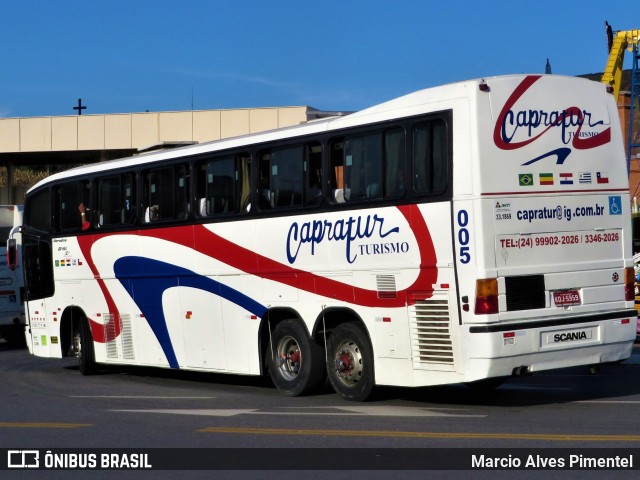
pixel 615 205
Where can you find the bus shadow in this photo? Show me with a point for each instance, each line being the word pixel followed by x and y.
pixel 608 381
pixel 6 346
pixel 181 376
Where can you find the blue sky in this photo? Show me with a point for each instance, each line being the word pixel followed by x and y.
pixel 157 55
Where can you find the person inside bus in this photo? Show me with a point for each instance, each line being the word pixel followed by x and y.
pixel 86 223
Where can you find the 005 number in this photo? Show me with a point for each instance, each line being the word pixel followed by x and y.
pixel 464 251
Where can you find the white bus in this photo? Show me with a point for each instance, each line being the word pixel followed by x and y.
pixel 465 233
pixel 12 319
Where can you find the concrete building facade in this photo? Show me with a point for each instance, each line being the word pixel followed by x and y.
pixel 69 140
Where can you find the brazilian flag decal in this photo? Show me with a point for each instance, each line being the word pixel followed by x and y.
pixel 525 179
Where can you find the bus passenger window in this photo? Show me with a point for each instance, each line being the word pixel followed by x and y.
pixel 363 167
pixel 281 177
pixel 222 185
pixel 394 164
pixel 166 194
pixel 38 216
pixel 430 157
pixel 336 170
pixel 313 171
pixel 116 202
pixel 265 196
pixel 71 199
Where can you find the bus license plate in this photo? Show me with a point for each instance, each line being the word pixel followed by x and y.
pixel 564 298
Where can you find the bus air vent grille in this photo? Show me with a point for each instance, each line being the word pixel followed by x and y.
pixel 126 338
pixel 525 292
pixel 386 286
pixel 110 335
pixel 430 332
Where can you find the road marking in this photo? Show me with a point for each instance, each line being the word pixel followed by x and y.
pixel 142 397
pixel 608 401
pixel 423 435
pixel 43 425
pixel 219 412
pixel 371 411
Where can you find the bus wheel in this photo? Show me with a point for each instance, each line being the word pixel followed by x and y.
pixel 14 335
pixel 296 362
pixel 350 362
pixel 84 348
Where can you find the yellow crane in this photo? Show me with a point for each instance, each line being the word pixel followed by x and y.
pixel 618 43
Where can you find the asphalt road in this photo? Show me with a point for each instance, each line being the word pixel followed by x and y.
pixel 48 404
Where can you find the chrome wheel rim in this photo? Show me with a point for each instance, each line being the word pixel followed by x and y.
pixel 348 363
pixel 289 357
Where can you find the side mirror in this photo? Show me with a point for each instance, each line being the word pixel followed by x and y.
pixel 12 254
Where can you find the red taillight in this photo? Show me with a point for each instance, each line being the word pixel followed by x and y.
pixel 12 254
pixel 486 296
pixel 629 284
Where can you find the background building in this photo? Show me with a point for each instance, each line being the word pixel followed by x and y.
pixel 32 148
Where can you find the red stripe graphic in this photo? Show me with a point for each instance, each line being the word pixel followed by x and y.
pixel 250 262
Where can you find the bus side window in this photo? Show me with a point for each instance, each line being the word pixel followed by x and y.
pixel 69 197
pixel 39 214
pixel 363 167
pixel 313 174
pixel 166 194
pixel 153 182
pixel 336 171
pixel 128 213
pixel 222 186
pixel 430 157
pixel 116 200
pixel 394 165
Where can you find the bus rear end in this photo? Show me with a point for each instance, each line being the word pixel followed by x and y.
pixel 545 271
pixel 12 317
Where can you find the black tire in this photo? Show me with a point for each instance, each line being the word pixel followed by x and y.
pixel 14 335
pixel 350 362
pixel 295 361
pixel 86 357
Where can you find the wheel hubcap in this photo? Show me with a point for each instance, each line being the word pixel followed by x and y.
pixel 348 363
pixel 289 357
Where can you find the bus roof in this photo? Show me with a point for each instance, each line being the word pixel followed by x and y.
pixel 406 105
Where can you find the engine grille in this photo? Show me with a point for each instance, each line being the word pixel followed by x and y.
pixel 430 332
pixel 125 338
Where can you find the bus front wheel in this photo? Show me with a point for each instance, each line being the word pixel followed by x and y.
pixel 84 349
pixel 350 362
pixel 296 362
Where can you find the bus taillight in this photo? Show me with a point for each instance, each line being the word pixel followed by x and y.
pixel 486 296
pixel 629 284
pixel 12 254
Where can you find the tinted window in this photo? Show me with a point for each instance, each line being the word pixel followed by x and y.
pixel 223 186
pixel 281 177
pixel 69 197
pixel 166 194
pixel 430 157
pixel 38 211
pixel 116 200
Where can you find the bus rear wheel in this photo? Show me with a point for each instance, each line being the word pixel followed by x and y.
pixel 296 362
pixel 14 335
pixel 350 362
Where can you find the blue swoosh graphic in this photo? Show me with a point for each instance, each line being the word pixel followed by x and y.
pixel 146 290
pixel 561 153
